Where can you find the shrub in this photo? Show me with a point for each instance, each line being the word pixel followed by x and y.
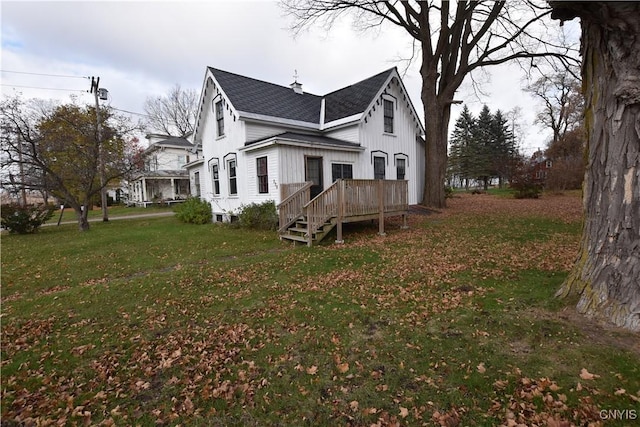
pixel 524 183
pixel 25 219
pixel 194 211
pixel 448 191
pixel 262 216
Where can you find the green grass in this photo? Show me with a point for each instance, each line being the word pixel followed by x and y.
pixel 151 320
pixel 113 211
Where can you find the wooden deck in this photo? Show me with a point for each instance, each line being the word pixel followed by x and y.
pixel 348 200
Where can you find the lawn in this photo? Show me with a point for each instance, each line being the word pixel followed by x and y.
pixel 452 322
pixel 113 212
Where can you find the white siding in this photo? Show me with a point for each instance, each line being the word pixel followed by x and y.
pixel 348 133
pixel 258 131
pixel 292 161
pixel 401 142
pixel 251 178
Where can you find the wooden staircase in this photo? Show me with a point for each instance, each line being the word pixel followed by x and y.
pixel 299 231
pixel 346 200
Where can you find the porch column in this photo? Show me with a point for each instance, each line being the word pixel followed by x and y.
pixel 144 189
pixel 173 188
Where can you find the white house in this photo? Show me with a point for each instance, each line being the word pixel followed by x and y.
pixel 164 178
pixel 258 137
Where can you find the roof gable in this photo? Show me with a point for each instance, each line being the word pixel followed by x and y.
pixel 354 99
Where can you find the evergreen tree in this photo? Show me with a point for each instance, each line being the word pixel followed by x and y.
pixel 460 156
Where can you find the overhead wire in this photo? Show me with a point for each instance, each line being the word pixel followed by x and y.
pixel 46 75
pixel 43 88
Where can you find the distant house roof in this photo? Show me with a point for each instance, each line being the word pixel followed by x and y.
pixel 301 137
pixel 171 141
pixel 258 97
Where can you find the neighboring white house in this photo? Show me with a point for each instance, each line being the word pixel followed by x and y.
pixel 164 178
pixel 258 136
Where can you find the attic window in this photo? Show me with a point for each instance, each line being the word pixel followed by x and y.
pixel 388 116
pixel 220 118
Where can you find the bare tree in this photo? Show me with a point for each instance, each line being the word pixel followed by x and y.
pixel 606 276
pixel 454 39
pixel 562 102
pixel 173 114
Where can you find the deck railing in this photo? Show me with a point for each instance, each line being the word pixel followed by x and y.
pixel 346 200
pixel 322 208
pixel 294 198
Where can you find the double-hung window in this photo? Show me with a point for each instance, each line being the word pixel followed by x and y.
pixel 220 118
pixel 196 184
pixel 233 181
pixel 388 116
pixel 263 176
pixel 401 168
pixel 379 168
pixel 215 175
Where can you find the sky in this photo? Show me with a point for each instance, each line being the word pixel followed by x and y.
pixel 141 49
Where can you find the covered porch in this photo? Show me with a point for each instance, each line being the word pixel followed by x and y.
pixel 165 187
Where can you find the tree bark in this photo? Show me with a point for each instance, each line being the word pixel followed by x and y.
pixel 437 115
pixel 606 276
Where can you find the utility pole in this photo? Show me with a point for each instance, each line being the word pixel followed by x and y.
pixel 103 190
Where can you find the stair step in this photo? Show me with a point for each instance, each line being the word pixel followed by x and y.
pixel 294 237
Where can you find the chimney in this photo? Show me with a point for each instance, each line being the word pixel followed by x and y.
pixel 297 87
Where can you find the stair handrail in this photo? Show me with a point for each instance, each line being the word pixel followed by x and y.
pixel 292 207
pixel 320 209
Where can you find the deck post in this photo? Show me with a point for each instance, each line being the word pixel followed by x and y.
pixel 381 208
pixel 341 185
pixel 404 221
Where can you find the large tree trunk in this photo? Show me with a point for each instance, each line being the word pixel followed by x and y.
pixel 436 120
pixel 606 276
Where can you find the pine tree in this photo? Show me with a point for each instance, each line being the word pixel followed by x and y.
pixel 460 155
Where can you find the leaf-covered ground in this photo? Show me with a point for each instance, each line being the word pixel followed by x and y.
pixel 451 322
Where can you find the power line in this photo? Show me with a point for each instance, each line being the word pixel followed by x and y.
pixel 42 74
pixel 130 112
pixel 43 88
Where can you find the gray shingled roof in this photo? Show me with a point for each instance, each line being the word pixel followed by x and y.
pixel 176 141
pixel 353 99
pixel 259 97
pixel 314 139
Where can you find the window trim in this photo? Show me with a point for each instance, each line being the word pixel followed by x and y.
pixel 262 176
pixel 342 165
pixel 215 179
pixel 404 162
pixel 232 178
pixel 385 103
pixel 219 114
pixel 196 184
pixel 384 166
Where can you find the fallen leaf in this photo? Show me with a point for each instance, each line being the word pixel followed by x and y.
pixel 404 412
pixel 343 367
pixel 354 405
pixel 312 370
pixel 481 368
pixel 620 391
pixel 586 375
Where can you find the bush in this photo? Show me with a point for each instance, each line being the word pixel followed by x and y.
pixel 261 216
pixel 448 192
pixel 194 211
pixel 25 219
